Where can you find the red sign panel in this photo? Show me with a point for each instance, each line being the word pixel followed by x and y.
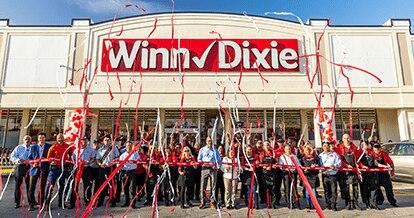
pixel 158 55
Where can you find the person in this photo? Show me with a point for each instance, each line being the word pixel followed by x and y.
pixel 84 157
pixel 290 177
pixel 41 170
pixel 248 163
pixel 197 173
pixel 278 151
pixel 94 168
pixel 349 153
pixel 220 182
pixel 19 156
pixel 154 170
pixel 211 157
pixel 328 158
pixel 384 177
pixel 258 149
pixel 140 174
pixel 60 153
pixel 269 175
pixel 105 157
pixel 170 180
pixel 128 176
pixel 369 184
pixel 231 171
pixel 310 159
pixel 120 145
pixel 186 178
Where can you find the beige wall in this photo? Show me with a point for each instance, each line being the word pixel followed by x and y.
pixel 388 125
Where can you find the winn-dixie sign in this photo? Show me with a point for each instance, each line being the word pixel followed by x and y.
pixel 155 55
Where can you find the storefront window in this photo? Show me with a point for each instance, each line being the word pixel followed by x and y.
pixel 107 123
pixel 47 121
pixel 362 120
pixel 10 128
pixel 290 119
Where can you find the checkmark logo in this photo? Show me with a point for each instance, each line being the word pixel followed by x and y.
pixel 202 60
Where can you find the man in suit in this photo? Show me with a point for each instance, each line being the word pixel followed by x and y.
pixel 41 170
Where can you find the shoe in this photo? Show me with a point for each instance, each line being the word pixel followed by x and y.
pixel 134 206
pixel 277 203
pixel 190 204
pixel 394 204
pixel 274 206
pixel 379 203
pixel 329 207
pixel 167 203
pixel 71 207
pixel 183 207
pixel 99 204
pixel 257 207
pixel 356 206
pixel 125 204
pixel 17 206
pixel 113 204
pixel 229 207
pixel 31 208
pixel 375 207
pixel 334 208
pixel 348 206
pixel 213 206
pixel 201 206
pixel 147 203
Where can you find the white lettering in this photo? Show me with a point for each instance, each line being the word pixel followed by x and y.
pixel 223 54
pixel 260 58
pixel 153 57
pixel 288 54
pixel 122 53
pixel 175 59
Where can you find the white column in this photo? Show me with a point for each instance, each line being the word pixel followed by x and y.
pixel 403 125
pixel 24 122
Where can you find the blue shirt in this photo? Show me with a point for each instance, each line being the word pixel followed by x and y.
pixel 129 166
pixel 20 152
pixel 113 154
pixel 330 159
pixel 207 154
pixel 86 154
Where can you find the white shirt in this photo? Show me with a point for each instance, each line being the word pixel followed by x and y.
pixel 285 160
pixel 227 173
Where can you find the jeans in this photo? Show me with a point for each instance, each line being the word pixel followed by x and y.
pixel 54 174
pixel 308 200
pixel 255 195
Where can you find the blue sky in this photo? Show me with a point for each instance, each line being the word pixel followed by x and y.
pixel 344 12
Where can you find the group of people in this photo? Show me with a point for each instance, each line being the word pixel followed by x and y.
pixel 181 172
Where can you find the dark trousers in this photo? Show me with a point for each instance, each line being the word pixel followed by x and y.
pixel 87 187
pixel 42 190
pixel 279 181
pixel 261 186
pixel 384 180
pixel 347 193
pixel 95 179
pixel 184 193
pixel 103 173
pixel 20 176
pixel 369 191
pixel 32 188
pixel 270 191
pixel 140 181
pixel 341 178
pixel 149 189
pixel 129 179
pixel 330 188
pixel 291 194
pixel 220 187
pixel 169 192
pixel 197 182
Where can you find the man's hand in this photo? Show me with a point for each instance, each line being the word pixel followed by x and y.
pixel 332 167
pixel 365 167
pixel 182 173
pixel 392 173
pixel 21 161
pixel 350 167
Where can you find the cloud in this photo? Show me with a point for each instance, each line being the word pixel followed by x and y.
pixel 111 7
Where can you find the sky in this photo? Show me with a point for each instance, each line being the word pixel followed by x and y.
pixel 341 12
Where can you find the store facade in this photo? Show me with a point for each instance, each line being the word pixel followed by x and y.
pixel 200 68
